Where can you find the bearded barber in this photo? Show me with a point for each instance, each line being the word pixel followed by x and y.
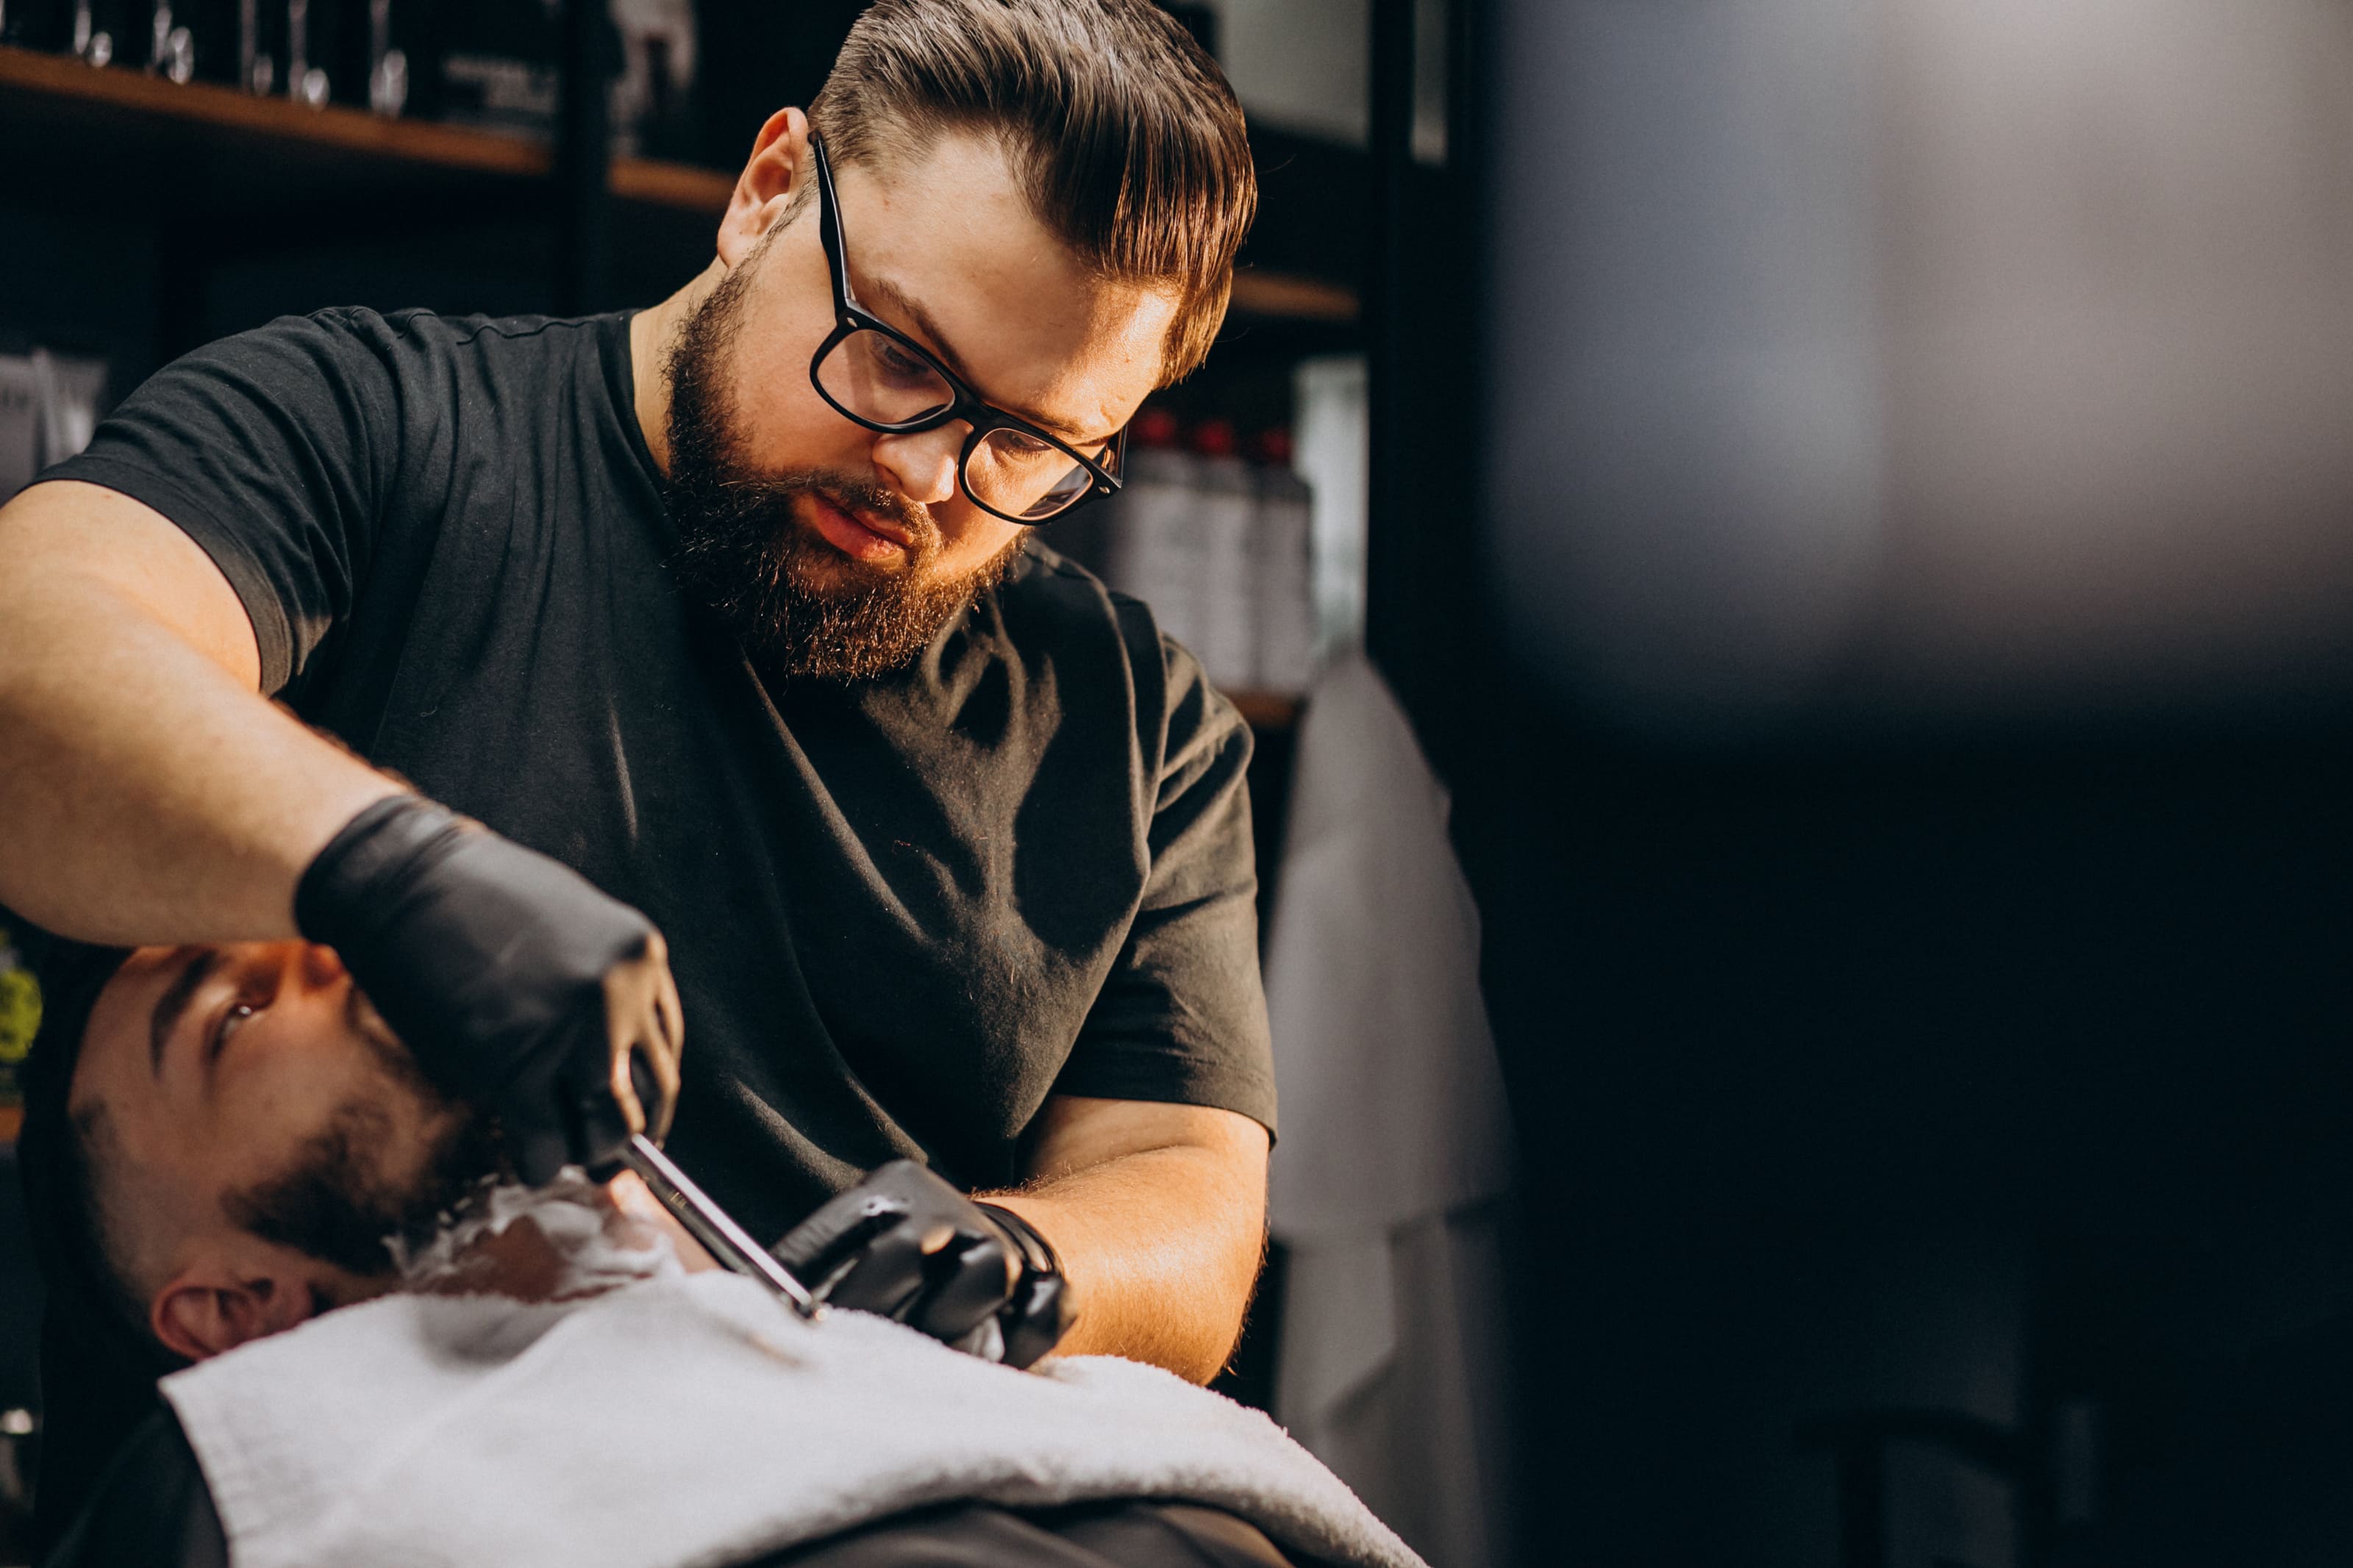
pixel 718 644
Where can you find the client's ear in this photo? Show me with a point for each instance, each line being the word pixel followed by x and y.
pixel 210 1307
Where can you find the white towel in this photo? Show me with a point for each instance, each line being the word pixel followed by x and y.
pixel 687 1422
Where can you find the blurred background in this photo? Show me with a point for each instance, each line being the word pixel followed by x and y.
pixel 1792 564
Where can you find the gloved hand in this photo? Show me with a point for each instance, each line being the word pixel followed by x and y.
pixel 905 1244
pixel 514 982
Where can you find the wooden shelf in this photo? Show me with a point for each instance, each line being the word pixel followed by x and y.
pixel 682 187
pixel 152 103
pixel 1283 296
pixel 105 138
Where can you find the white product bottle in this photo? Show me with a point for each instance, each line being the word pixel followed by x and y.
pixel 1282 541
pixel 1150 537
pixel 1226 637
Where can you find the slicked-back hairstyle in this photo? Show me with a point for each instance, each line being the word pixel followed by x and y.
pixel 1124 132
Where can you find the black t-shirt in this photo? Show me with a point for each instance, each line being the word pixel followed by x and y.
pixel 901 911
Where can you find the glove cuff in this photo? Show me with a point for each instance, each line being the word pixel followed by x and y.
pixel 1037 1257
pixel 351 884
pixel 1043 1308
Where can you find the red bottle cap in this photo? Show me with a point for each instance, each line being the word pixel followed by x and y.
pixel 1214 438
pixel 1155 428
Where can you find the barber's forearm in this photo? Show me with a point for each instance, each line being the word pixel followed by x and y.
pixel 150 798
pixel 1162 1249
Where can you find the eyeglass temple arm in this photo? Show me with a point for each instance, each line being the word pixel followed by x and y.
pixel 829 221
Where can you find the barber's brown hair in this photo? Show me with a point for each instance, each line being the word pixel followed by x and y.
pixel 1124 132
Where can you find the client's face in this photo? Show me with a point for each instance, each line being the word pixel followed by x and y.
pixel 258 1133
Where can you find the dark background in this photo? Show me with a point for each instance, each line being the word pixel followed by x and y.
pixel 1890 1060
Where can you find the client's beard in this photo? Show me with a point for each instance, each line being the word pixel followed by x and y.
pixel 336 1204
pixel 798 606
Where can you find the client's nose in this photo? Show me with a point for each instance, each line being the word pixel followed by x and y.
pixel 317 965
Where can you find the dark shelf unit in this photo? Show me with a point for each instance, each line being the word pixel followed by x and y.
pixel 222 160
pixel 221 179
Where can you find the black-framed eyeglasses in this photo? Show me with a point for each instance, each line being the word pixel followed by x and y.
pixel 876 375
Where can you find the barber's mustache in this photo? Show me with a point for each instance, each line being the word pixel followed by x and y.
pixel 852 493
pixel 884 502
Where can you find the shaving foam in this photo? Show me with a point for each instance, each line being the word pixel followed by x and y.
pixel 595 1246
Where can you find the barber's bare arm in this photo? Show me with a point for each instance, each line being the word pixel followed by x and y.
pixel 1158 1214
pixel 153 794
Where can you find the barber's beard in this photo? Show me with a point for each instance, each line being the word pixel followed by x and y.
pixel 337 1204
pixel 798 606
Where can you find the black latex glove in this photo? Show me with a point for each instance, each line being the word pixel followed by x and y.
pixel 514 982
pixel 905 1244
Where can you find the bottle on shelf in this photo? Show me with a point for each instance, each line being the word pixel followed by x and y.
pixel 1219 548
pixel 1283 574
pixel 171 45
pixel 310 41
pixel 1149 546
pixel 20 425
pixel 387 68
pixel 257 64
pixel 50 404
pixel 1225 507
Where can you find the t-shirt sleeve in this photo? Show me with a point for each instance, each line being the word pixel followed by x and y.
pixel 269 449
pixel 1182 1016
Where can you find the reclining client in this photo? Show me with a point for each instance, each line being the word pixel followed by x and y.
pixel 370 1353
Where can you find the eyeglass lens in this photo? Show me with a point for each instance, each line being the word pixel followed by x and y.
pixel 872 377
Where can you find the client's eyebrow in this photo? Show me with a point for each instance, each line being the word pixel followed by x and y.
pixel 175 1002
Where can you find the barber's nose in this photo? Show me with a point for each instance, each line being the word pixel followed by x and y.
pixel 922 466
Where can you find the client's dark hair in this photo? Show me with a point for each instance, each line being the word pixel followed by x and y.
pixel 56 1156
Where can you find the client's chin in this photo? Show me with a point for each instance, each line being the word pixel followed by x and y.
pixel 564 1242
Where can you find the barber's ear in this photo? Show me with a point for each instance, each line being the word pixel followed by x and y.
pixel 778 166
pixel 210 1308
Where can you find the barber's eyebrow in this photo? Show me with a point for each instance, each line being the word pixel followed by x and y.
pixel 885 288
pixel 173 1002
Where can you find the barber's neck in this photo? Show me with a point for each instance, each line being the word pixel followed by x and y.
pixel 652 331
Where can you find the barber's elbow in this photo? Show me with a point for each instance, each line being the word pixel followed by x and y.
pixel 1222 1306
pixel 1225 1339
